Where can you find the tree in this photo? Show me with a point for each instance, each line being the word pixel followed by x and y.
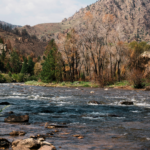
pixel 30 66
pixel 8 67
pixel 3 56
pixel 1 40
pixel 51 69
pixel 24 68
pixel 15 62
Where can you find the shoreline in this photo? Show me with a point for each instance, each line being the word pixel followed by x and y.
pixel 125 87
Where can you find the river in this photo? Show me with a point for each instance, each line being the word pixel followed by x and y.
pixel 110 126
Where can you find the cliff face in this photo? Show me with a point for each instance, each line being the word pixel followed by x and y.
pixel 131 19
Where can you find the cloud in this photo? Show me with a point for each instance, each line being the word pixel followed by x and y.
pixel 32 12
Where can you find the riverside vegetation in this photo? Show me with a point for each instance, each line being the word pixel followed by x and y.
pixel 50 70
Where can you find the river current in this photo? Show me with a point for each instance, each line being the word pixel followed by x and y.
pixel 110 126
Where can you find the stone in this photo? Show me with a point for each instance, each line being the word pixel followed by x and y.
pixel 4 143
pixel 28 143
pixel 11 112
pixel 95 102
pixel 31 143
pixel 78 136
pixel 127 103
pixel 15 118
pixel 56 126
pixel 147 88
pixel 92 92
pixel 16 133
pixel 4 103
pixel 45 147
pixel 21 148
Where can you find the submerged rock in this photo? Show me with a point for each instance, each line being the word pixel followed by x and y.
pixel 16 133
pixel 56 126
pixel 95 102
pixel 127 103
pixel 4 143
pixel 16 118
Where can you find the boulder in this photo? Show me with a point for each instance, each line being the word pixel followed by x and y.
pixel 127 103
pixel 16 133
pixel 16 118
pixel 28 143
pixel 21 148
pixel 45 147
pixel 31 143
pixel 4 143
pixel 4 103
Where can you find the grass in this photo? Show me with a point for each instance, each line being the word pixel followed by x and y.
pixel 120 84
pixel 63 84
pixel 7 77
pixel 3 108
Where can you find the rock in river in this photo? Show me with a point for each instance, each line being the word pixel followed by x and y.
pixel 31 143
pixel 127 103
pixel 4 103
pixel 4 143
pixel 17 118
pixel 95 102
pixel 16 133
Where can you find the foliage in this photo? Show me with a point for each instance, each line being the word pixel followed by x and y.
pixel 8 67
pixel 32 78
pixel 136 79
pixel 1 40
pixel 51 69
pixel 30 68
pixel 2 68
pixel 9 73
pixel 3 56
pixel 37 68
pixel 15 62
pixel 2 78
pixel 24 68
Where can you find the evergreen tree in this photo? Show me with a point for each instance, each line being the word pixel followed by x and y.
pixel 8 67
pixel 15 62
pixel 24 68
pixel 3 56
pixel 51 69
pixel 1 40
pixel 30 66
pixel 2 68
pixel 48 69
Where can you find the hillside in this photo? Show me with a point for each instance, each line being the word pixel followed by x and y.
pixel 25 45
pixel 131 20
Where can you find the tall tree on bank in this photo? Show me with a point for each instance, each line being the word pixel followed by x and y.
pixel 24 68
pixel 15 62
pixel 30 66
pixel 51 69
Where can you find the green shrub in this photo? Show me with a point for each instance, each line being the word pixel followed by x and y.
pixel 10 75
pixel 20 77
pixel 32 78
pixel 14 76
pixel 2 79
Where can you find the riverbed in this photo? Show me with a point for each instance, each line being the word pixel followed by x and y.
pixel 109 126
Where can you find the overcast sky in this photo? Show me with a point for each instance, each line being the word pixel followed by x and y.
pixel 32 12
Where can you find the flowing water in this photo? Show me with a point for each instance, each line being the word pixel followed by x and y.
pixel 110 126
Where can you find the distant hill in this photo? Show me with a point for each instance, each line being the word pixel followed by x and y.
pixel 9 24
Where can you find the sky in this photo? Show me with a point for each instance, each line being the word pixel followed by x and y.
pixel 32 12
